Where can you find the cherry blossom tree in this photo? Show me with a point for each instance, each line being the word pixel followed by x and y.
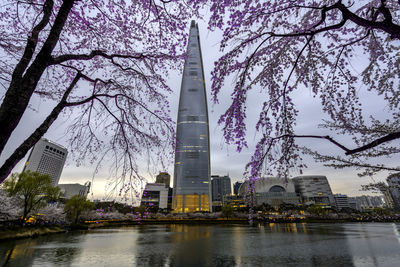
pixel 101 63
pixel 34 189
pixel 331 50
pixel 10 207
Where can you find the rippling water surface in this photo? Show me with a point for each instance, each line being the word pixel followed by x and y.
pixel 371 244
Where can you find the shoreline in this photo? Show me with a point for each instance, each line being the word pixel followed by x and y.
pixel 19 232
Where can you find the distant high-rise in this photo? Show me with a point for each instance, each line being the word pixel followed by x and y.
pixel 394 188
pixel 192 156
pixel 47 157
pixel 236 187
pixel 163 178
pixel 220 186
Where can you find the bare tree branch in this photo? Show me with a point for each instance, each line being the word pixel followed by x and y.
pixel 21 151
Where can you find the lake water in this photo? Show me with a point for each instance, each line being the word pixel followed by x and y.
pixel 352 244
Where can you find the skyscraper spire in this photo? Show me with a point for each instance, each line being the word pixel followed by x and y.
pixel 192 187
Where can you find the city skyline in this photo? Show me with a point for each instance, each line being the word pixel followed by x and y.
pixel 200 133
pixel 224 159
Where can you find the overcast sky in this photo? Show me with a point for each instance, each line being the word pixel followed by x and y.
pixel 224 159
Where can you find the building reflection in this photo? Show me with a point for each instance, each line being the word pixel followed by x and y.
pixel 271 244
pixel 189 232
pixel 305 244
pixel 18 254
pixel 372 244
pixel 238 235
pixel 28 252
pixel 396 230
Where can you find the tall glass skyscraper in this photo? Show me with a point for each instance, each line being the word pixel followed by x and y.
pixel 192 187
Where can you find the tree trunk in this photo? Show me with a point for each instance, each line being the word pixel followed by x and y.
pixel 21 151
pixel 77 217
pixel 25 211
pixel 21 87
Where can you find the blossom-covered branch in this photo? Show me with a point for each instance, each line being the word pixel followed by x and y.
pixel 298 47
pixel 104 65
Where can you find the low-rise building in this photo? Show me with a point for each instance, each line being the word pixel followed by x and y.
pixel 341 201
pixel 365 202
pixel 353 203
pixel 155 195
pixel 236 201
pixel 69 190
pixel 273 191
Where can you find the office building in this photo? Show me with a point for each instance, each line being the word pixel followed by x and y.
pixel 341 201
pixel 236 187
pixel 352 203
pixel 237 202
pixel 369 202
pixel 314 189
pixel 47 157
pixel 273 191
pixel 163 178
pixel 387 196
pixel 394 189
pixel 192 187
pixel 70 190
pixel 220 186
pixel 155 195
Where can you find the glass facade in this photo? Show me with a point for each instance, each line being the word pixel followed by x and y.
pixel 191 203
pixel 205 202
pixel 192 190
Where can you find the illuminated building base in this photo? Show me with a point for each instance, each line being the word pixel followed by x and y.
pixel 191 203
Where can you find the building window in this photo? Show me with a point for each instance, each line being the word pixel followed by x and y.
pixel 277 188
pixel 192 155
pixel 191 177
pixel 192 118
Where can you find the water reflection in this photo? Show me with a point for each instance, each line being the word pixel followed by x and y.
pixel 56 250
pixel 396 230
pixel 213 245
